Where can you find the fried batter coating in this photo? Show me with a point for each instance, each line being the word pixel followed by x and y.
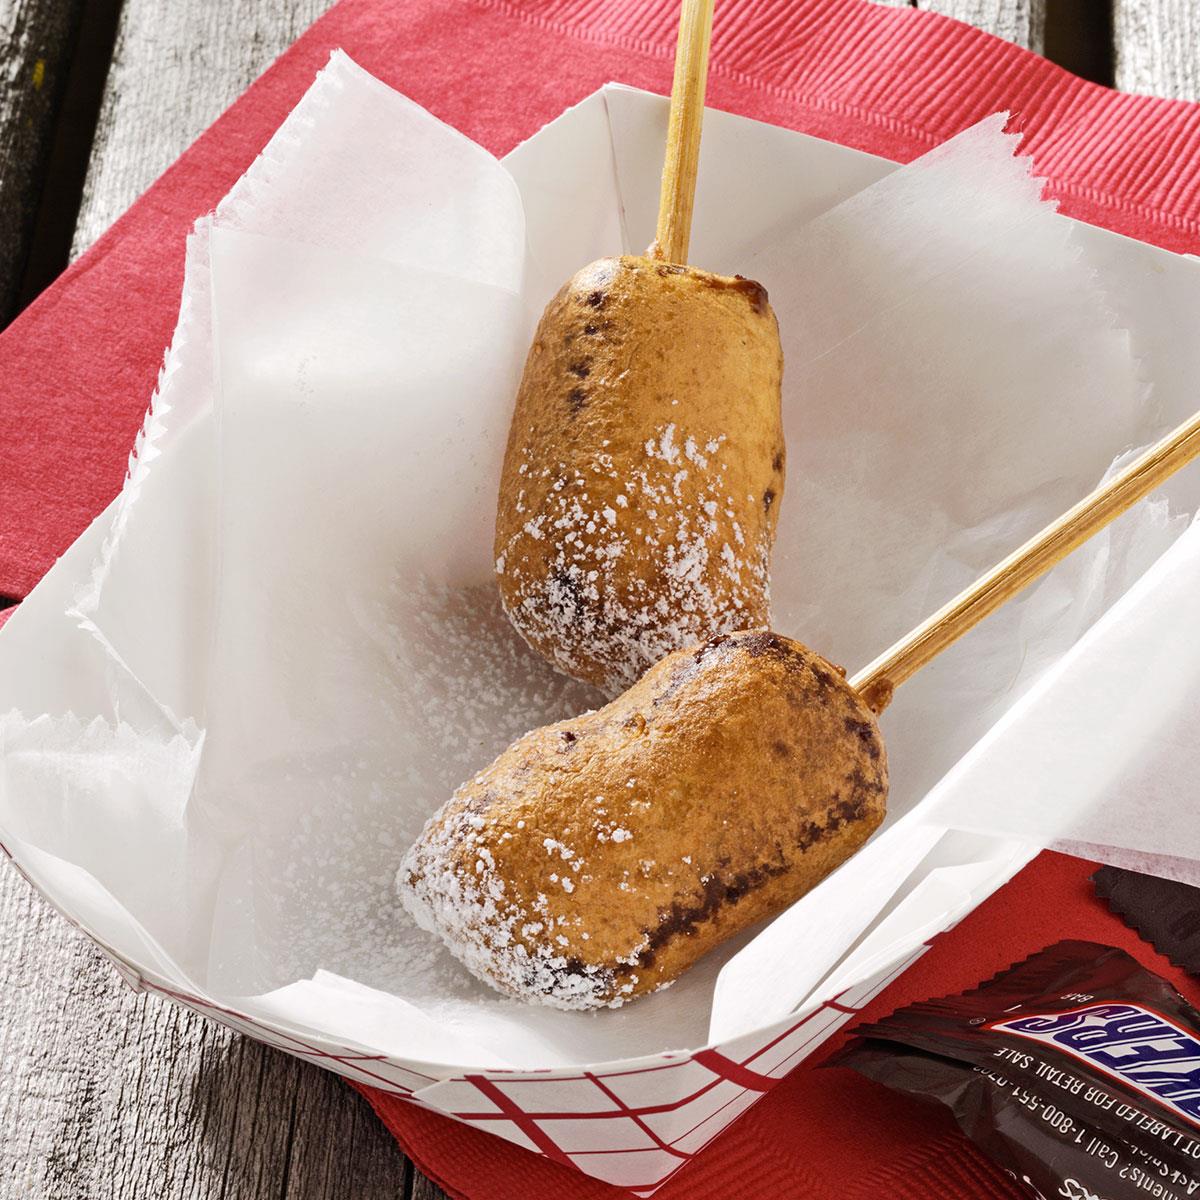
pixel 598 858
pixel 644 468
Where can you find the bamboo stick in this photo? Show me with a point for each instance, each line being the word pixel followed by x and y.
pixel 876 682
pixel 683 132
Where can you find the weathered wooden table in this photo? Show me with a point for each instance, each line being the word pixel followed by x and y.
pixel 107 1095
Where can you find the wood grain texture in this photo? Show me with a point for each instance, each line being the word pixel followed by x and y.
pixel 1157 47
pixel 36 39
pixel 176 67
pixel 684 127
pixel 106 1093
pixel 1020 21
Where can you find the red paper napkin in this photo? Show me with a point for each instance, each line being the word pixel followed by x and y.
pixel 77 369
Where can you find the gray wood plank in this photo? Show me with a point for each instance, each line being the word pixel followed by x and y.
pixel 105 1093
pixel 1156 47
pixel 176 68
pixel 1019 21
pixel 36 39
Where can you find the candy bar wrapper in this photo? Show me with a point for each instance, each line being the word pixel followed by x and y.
pixel 232 705
pixel 1165 912
pixel 1076 1070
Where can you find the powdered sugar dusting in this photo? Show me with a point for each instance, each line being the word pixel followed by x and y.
pixel 640 561
pixel 450 885
pixel 458 686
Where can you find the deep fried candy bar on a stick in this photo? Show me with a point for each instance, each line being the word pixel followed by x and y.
pixel 596 859
pixel 645 462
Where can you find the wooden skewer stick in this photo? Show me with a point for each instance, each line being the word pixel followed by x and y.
pixel 683 132
pixel 876 682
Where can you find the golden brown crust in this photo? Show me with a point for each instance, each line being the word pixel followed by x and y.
pixel 597 859
pixel 644 468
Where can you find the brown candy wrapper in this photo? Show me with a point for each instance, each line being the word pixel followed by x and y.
pixel 1077 1070
pixel 1165 913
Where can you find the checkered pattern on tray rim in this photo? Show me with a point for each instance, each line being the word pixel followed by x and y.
pixel 632 1126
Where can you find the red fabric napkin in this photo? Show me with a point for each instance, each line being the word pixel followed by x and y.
pixel 77 369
